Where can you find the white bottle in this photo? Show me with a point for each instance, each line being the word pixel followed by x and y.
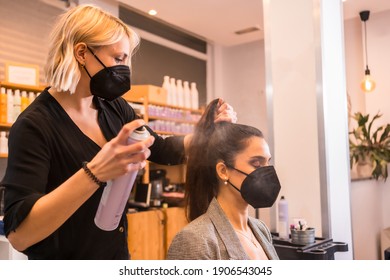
pixel 10 106
pixel 194 96
pixel 179 93
pixel 187 94
pixel 17 104
pixel 117 192
pixel 167 86
pixel 173 91
pixel 3 143
pixel 283 218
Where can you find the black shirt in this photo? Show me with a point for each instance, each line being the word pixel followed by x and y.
pixel 46 148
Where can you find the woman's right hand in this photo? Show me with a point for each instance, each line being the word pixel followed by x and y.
pixel 116 158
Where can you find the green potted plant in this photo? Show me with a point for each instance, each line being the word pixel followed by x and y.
pixel 369 146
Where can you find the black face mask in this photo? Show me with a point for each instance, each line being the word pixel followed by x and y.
pixel 110 82
pixel 260 188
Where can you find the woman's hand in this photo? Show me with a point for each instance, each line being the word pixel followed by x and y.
pixel 225 112
pixel 117 158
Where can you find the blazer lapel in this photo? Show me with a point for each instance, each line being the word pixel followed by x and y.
pixel 226 232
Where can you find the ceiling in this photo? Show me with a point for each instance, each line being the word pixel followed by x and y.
pixel 218 20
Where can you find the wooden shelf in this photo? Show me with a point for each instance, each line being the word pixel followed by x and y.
pixel 6 125
pixel 22 87
pixel 3 155
pixel 199 111
pixel 172 120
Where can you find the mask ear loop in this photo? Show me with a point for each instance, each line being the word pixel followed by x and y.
pixel 237 170
pixel 97 58
pixel 227 181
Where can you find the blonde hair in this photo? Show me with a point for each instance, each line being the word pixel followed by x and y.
pixel 83 24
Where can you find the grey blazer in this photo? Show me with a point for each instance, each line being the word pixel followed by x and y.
pixel 212 237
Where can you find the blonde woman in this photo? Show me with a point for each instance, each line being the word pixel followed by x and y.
pixel 72 139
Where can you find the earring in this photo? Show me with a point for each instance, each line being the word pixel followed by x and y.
pixel 225 182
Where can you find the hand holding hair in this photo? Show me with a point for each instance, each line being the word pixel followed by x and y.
pixel 225 112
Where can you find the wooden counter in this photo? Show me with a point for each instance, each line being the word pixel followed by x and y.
pixel 151 232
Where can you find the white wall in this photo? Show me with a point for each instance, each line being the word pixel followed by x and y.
pixel 369 198
pixel 243 83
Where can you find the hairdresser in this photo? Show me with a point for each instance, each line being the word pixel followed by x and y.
pixel 51 196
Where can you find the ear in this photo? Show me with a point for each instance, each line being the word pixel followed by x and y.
pixel 80 49
pixel 222 171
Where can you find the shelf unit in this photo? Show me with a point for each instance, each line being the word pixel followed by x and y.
pixel 6 85
pixel 148 95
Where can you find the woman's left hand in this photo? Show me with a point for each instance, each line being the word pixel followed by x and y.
pixel 225 112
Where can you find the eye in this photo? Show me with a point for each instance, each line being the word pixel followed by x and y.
pixel 118 60
pixel 256 163
pixel 259 161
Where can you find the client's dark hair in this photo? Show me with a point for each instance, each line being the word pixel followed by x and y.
pixel 211 143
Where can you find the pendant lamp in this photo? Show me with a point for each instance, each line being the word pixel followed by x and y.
pixel 367 84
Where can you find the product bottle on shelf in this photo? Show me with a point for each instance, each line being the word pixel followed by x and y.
pixel 194 96
pixel 187 94
pixel 179 92
pixel 283 218
pixel 173 91
pixel 17 104
pixel 3 105
pixel 31 97
pixel 117 192
pixel 24 101
pixel 10 106
pixel 3 143
pixel 167 86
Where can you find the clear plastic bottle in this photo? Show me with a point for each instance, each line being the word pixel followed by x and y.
pixel 194 96
pixel 117 192
pixel 283 218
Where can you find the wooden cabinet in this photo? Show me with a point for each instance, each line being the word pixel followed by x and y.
pixel 151 232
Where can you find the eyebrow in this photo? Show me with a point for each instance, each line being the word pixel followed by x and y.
pixel 260 158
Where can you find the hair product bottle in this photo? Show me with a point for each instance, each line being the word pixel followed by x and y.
pixel 3 106
pixel 3 143
pixel 167 86
pixel 194 96
pixel 117 192
pixel 283 218
pixel 17 104
pixel 180 93
pixel 174 98
pixel 10 106
pixel 24 101
pixel 187 94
